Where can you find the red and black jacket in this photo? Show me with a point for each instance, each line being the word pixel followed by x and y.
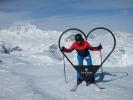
pixel 82 50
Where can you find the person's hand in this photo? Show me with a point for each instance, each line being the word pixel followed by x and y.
pixel 63 48
pixel 100 47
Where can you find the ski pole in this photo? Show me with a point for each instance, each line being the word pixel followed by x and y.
pixel 64 69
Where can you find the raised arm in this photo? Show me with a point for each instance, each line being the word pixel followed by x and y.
pixel 69 49
pixel 94 48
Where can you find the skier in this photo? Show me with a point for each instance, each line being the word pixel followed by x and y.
pixel 82 47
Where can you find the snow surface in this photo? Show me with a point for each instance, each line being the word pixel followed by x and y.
pixel 36 72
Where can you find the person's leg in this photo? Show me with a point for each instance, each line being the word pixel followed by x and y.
pixel 80 62
pixel 89 62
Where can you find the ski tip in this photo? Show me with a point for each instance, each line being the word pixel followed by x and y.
pixel 98 90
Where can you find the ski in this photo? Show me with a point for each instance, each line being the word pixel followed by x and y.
pixel 89 83
pixel 98 87
pixel 74 88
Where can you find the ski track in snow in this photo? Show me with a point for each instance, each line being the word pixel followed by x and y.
pixel 47 83
pixel 36 92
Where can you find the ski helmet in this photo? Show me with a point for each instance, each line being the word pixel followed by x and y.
pixel 78 37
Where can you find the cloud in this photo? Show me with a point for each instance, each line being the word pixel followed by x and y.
pixel 60 23
pixel 6 19
pixel 106 4
pixel 125 12
pixel 60 14
pixel 46 7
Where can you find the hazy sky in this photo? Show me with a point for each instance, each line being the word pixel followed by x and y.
pixel 116 15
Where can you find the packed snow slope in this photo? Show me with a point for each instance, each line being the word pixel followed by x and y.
pixel 31 68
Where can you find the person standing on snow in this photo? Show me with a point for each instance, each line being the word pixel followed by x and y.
pixel 82 47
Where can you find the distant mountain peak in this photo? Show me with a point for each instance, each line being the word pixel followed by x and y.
pixel 22 28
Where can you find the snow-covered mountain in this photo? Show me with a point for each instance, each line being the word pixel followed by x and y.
pixel 31 67
pixel 30 40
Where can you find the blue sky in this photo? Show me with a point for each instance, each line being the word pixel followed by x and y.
pixel 116 15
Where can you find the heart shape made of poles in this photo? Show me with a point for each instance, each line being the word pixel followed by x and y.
pixel 86 37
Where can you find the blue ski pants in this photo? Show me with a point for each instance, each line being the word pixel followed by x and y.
pixel 80 62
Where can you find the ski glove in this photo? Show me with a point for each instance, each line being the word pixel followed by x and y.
pixel 63 48
pixel 100 47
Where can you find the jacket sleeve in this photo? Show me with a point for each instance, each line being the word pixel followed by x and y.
pixel 70 49
pixel 93 48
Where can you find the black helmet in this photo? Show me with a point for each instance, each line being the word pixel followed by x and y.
pixel 78 37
